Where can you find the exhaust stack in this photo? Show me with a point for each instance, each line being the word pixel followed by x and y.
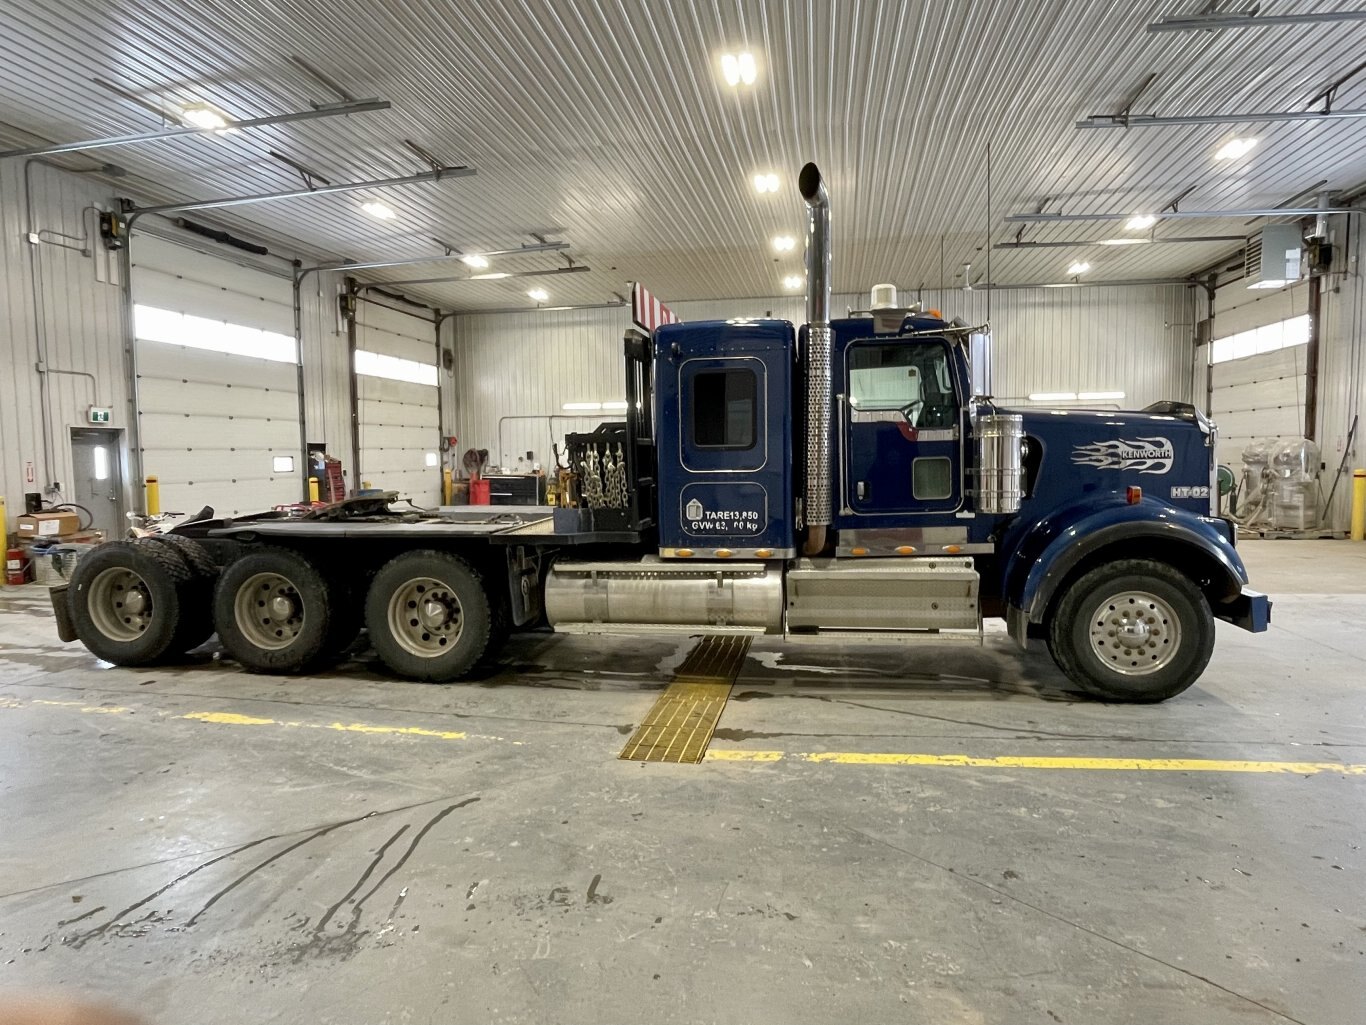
pixel 818 358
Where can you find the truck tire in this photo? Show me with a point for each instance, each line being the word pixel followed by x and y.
pixel 1132 630
pixel 429 616
pixel 196 607
pixel 276 613
pixel 126 602
pixel 191 551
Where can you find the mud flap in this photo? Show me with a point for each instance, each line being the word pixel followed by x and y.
pixel 66 629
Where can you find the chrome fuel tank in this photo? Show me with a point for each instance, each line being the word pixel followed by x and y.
pixel 652 595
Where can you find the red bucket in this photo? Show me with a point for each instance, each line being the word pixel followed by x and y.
pixel 479 491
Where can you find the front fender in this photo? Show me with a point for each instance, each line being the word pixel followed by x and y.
pixel 1044 553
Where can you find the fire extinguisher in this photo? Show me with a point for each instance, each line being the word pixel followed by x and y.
pixel 18 568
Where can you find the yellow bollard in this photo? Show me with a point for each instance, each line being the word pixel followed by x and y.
pixel 447 487
pixel 153 496
pixel 1359 505
pixel 313 489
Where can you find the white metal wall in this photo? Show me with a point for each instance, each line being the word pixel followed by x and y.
pixel 398 421
pixel 72 311
pixel 326 368
pixel 213 423
pixel 1342 363
pixel 515 371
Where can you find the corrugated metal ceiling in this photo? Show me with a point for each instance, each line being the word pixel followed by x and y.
pixel 606 123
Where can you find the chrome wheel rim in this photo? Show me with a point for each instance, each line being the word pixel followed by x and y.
pixel 120 604
pixel 425 617
pixel 1135 633
pixel 269 611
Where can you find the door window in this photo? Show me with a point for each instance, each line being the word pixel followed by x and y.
pixel 911 377
pixel 724 409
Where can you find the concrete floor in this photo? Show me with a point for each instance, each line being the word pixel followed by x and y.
pixel 199 844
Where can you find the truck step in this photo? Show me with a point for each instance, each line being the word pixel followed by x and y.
pixel 973 637
pixel 849 596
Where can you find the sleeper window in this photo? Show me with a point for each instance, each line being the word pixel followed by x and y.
pixel 724 409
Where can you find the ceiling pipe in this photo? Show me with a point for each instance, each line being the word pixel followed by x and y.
pixel 1111 243
pixel 330 110
pixel 539 247
pixel 383 183
pixel 1154 121
pixel 1119 283
pixel 1284 211
pixel 1211 22
pixel 492 276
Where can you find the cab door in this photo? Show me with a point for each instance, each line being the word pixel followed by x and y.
pixel 901 421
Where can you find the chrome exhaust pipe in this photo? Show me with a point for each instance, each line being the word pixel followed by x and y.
pixel 818 358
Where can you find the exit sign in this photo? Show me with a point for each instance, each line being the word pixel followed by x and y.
pixel 98 415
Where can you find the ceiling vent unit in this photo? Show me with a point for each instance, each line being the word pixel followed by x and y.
pixel 1273 256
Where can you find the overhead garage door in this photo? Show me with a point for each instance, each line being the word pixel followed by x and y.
pixel 398 402
pixel 218 382
pixel 1258 398
pixel 1257 374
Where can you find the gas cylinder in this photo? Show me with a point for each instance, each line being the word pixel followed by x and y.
pixel 18 568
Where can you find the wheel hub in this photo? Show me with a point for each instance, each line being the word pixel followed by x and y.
pixel 268 611
pixel 120 604
pixel 1135 633
pixel 425 617
pixel 135 602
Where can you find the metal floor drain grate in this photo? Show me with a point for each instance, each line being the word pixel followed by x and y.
pixel 680 725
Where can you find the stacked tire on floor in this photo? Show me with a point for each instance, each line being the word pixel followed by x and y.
pixel 135 603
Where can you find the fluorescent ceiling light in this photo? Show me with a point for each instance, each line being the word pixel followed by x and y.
pixel 767 182
pixel 1268 283
pixel 1080 267
pixel 1053 396
pixel 793 281
pixel 784 243
pixel 1124 242
pixel 618 404
pixel 475 260
pixel 1100 396
pixel 491 276
pixel 581 407
pixel 739 68
pixel 1235 148
pixel 1140 222
pixel 539 294
pixel 382 211
pixel 202 116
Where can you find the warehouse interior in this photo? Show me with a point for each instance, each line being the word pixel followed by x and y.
pixel 266 257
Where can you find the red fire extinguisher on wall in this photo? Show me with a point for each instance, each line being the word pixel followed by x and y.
pixel 18 568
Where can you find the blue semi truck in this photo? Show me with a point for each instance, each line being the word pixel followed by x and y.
pixel 846 480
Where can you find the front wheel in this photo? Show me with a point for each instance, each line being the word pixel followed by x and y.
pixel 1132 630
pixel 429 616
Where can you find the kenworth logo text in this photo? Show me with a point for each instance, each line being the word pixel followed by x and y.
pixel 1146 455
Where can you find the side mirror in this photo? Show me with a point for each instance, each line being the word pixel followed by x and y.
pixel 979 363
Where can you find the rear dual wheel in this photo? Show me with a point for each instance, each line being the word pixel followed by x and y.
pixel 277 613
pixel 135 603
pixel 429 616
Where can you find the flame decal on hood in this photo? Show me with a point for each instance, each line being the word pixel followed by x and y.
pixel 1146 455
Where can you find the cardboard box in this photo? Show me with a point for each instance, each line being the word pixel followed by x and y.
pixel 48 524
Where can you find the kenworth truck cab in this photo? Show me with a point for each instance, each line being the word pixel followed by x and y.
pixel 848 480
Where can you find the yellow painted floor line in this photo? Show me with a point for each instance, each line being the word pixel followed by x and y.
pixel 1041 762
pixel 220 718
